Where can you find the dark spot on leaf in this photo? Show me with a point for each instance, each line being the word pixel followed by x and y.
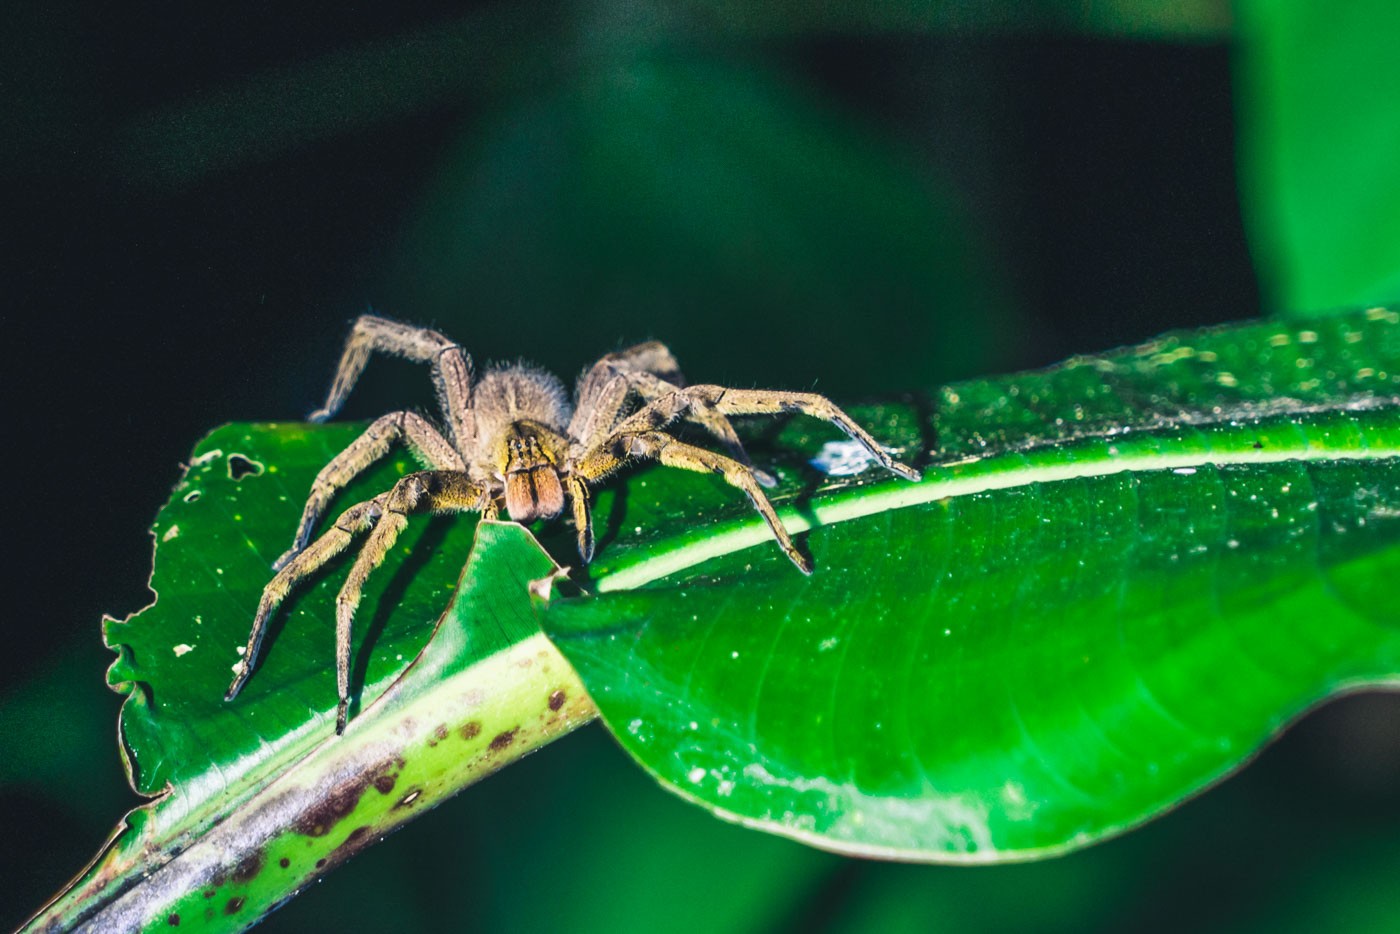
pixel 502 740
pixel 320 864
pixel 556 700
pixel 174 921
pixel 284 862
pixel 341 800
pixel 192 496
pixel 470 730
pixel 330 810
pixel 240 467
pixel 439 734
pixel 234 904
pixel 210 893
pixel 250 866
pixel 355 834
pixel 1258 445
pixel 408 799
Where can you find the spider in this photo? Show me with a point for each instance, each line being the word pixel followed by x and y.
pixel 510 437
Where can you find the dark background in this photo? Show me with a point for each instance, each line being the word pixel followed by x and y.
pixel 201 198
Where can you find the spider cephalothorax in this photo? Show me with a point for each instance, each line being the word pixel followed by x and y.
pixel 510 438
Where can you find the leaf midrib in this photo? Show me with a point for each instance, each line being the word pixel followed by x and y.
pixel 1090 457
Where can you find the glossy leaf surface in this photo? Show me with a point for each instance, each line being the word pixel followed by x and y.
pixel 260 796
pixel 1117 579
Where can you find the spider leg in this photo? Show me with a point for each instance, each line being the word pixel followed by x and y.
pixel 452 370
pixel 651 371
pixel 759 402
pixel 609 455
pixel 651 389
pixel 354 521
pixel 422 438
pixel 583 516
pixel 426 491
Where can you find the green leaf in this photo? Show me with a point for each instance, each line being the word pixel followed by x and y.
pixel 1117 580
pixel 258 796
pixel 1084 537
pixel 1319 138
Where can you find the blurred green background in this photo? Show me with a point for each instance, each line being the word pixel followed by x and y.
pixel 863 198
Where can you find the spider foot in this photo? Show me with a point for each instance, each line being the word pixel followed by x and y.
pixel 245 668
pixel 905 471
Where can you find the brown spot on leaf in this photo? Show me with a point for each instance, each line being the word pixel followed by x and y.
pixel 320 864
pixel 210 893
pixel 234 904
pixel 502 740
pixel 284 862
pixel 249 867
pixel 556 699
pixel 439 734
pixel 174 921
pixel 342 799
pixel 470 730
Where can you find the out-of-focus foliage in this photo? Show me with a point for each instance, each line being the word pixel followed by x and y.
pixel 715 202
pixel 1318 94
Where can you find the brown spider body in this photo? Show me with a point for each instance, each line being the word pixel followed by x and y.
pixel 522 414
pixel 511 438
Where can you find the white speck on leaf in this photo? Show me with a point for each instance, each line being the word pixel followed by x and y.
pixel 182 649
pixel 842 459
pixel 170 533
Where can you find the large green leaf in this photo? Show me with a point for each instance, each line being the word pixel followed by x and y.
pixel 1116 581
pixel 1086 610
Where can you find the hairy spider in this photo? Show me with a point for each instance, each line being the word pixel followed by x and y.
pixel 511 438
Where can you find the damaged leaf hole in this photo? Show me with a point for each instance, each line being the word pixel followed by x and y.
pixel 240 467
